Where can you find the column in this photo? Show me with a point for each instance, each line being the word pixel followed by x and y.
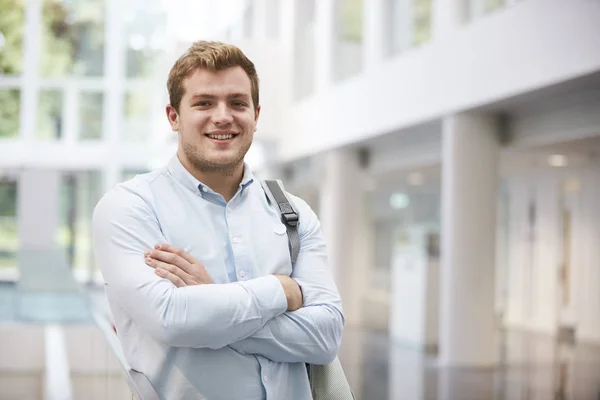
pixel 343 211
pixel 373 31
pixel 469 194
pixel 38 209
pixel 31 65
pixel 448 16
pixel 114 70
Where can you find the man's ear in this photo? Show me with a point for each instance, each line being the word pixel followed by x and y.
pixel 256 115
pixel 173 117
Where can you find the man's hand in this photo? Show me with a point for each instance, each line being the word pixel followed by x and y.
pixel 293 294
pixel 177 266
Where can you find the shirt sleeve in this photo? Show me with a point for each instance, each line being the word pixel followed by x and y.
pixel 211 316
pixel 313 333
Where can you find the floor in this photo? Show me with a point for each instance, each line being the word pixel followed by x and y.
pixel 532 367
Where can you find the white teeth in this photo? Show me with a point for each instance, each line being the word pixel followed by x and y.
pixel 221 137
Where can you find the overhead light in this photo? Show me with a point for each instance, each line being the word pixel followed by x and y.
pixel 399 201
pixel 558 160
pixel 416 179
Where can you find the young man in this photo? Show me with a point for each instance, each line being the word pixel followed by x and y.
pixel 206 301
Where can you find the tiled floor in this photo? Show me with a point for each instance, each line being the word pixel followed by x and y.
pixel 531 368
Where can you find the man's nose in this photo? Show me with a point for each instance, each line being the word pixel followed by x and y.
pixel 222 115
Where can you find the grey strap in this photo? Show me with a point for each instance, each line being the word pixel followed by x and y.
pixel 289 215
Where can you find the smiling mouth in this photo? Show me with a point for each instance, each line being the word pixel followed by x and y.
pixel 221 136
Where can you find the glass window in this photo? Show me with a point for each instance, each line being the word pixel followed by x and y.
pixel 91 107
pixel 9 238
pixel 351 21
pixel 49 118
pixel 479 8
pixel 10 104
pixel 349 27
pixel 128 174
pixel 72 39
pixel 145 38
pixel 492 5
pixel 12 24
pixel 409 24
pixel 304 50
pixel 79 193
pixel 421 21
pixel 136 118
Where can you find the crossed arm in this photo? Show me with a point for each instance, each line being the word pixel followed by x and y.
pixel 251 317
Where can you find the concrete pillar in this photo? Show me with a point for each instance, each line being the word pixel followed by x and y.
pixel 448 16
pixel 38 209
pixel 347 228
pixel 31 66
pixel 469 196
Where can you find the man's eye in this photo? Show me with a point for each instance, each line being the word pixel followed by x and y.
pixel 238 104
pixel 203 104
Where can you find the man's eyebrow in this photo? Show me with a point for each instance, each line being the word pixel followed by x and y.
pixel 212 96
pixel 202 96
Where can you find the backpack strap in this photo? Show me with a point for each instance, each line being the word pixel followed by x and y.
pixel 288 212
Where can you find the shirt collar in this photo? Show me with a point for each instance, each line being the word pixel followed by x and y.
pixel 178 171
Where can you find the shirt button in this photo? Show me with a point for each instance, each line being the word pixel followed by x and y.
pixel 236 240
pixel 204 189
pixel 242 274
pixel 265 379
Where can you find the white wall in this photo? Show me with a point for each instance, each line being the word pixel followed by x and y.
pixel 533 269
pixel 530 45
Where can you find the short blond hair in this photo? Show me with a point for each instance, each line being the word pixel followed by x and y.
pixel 212 56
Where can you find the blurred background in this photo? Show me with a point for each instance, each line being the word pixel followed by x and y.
pixel 451 149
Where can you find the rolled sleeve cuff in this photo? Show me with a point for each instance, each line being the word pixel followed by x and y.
pixel 269 295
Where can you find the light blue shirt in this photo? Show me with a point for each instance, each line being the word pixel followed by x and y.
pixel 233 339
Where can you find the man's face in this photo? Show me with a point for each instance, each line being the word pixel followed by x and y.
pixel 216 119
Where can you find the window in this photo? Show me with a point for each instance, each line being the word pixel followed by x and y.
pixel 421 21
pixel 9 238
pixel 49 118
pixel 12 24
pixel 136 118
pixel 145 38
pixel 90 115
pixel 349 38
pixel 409 24
pixel 479 8
pixel 9 112
pixel 79 193
pixel 72 39
pixel 304 50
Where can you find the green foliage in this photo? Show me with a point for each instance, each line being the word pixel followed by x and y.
pixel 351 20
pixel 72 39
pixel 9 112
pixel 421 21
pixel 12 23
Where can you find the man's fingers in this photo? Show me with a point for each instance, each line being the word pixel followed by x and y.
pixel 170 258
pixel 176 250
pixel 171 269
pixel 177 281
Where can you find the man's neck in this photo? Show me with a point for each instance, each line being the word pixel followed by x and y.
pixel 224 182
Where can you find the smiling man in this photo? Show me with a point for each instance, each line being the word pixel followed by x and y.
pixel 206 301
